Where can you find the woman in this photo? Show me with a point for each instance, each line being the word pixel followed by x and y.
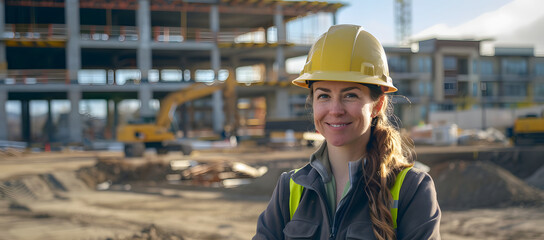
pixel 346 191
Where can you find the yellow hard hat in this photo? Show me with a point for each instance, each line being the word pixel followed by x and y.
pixel 347 53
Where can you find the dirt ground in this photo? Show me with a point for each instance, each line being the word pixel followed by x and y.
pixel 161 210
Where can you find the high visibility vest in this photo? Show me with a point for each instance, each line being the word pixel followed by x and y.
pixel 295 193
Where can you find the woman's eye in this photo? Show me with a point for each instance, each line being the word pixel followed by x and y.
pixel 351 95
pixel 322 96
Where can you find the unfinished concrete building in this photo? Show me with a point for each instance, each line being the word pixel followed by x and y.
pixel 64 60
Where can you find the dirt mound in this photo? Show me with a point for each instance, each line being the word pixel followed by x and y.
pixel 41 187
pixel 537 179
pixel 118 171
pixel 24 189
pixel 152 232
pixel 462 184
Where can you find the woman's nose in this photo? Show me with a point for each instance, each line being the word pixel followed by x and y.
pixel 337 108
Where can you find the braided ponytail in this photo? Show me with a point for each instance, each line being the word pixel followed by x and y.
pixel 387 155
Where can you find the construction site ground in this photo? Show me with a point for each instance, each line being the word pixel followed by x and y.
pixel 52 195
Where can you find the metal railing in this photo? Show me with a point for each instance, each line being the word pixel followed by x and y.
pixel 36 76
pixel 159 34
pixel 35 31
pixel 105 32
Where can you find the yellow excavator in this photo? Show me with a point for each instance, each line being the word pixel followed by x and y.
pixel 529 130
pixel 158 135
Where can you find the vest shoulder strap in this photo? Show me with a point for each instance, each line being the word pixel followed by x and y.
pixel 295 193
pixel 395 193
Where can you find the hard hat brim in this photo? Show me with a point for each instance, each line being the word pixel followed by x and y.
pixel 337 76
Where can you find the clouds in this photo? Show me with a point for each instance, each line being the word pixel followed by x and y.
pixel 520 22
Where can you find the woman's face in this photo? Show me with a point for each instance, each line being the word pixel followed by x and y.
pixel 343 112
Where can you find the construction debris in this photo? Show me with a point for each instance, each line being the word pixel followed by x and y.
pixel 118 173
pixel 221 173
pixel 480 137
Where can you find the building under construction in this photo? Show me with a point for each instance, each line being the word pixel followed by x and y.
pixel 79 57
pixel 72 71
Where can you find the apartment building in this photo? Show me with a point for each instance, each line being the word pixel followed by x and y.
pixel 452 75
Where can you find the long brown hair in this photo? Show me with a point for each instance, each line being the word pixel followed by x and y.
pixel 387 154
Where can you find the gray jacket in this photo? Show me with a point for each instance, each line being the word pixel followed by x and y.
pixel 418 214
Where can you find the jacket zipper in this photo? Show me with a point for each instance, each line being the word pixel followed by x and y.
pixel 339 211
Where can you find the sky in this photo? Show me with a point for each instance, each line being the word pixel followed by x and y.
pixel 508 22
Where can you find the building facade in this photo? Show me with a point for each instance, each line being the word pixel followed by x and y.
pixel 448 76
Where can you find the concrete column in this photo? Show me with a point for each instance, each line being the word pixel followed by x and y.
pixel 3 113
pixel 280 25
pixel 115 117
pixel 25 120
pixel 282 39
pixel 218 116
pixel 269 71
pixel 472 77
pixel 73 50
pixel 281 106
pixel 144 56
pixel 145 94
pixel 109 129
pixel 214 27
pixel 49 123
pixel 217 97
pixel 438 86
pixel 74 121
pixel 3 62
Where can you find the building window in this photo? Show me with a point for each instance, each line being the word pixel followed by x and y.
pixel 475 89
pixel 462 66
pixel 539 69
pixel 487 88
pixel 486 68
pixel 450 88
pixel 539 89
pixel 404 88
pixel 398 63
pixel 514 67
pixel 515 89
pixel 450 63
pixel 424 64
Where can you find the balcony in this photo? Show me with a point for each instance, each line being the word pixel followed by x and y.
pixel 515 78
pixel 410 76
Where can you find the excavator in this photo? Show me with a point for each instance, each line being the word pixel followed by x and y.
pixel 158 135
pixel 528 130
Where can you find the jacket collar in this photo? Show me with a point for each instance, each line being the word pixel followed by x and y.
pixel 320 162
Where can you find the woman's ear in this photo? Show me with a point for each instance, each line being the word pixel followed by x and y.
pixel 377 106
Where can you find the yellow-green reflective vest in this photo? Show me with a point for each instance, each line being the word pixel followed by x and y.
pixel 295 193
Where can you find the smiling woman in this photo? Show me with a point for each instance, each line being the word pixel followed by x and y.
pixel 360 184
